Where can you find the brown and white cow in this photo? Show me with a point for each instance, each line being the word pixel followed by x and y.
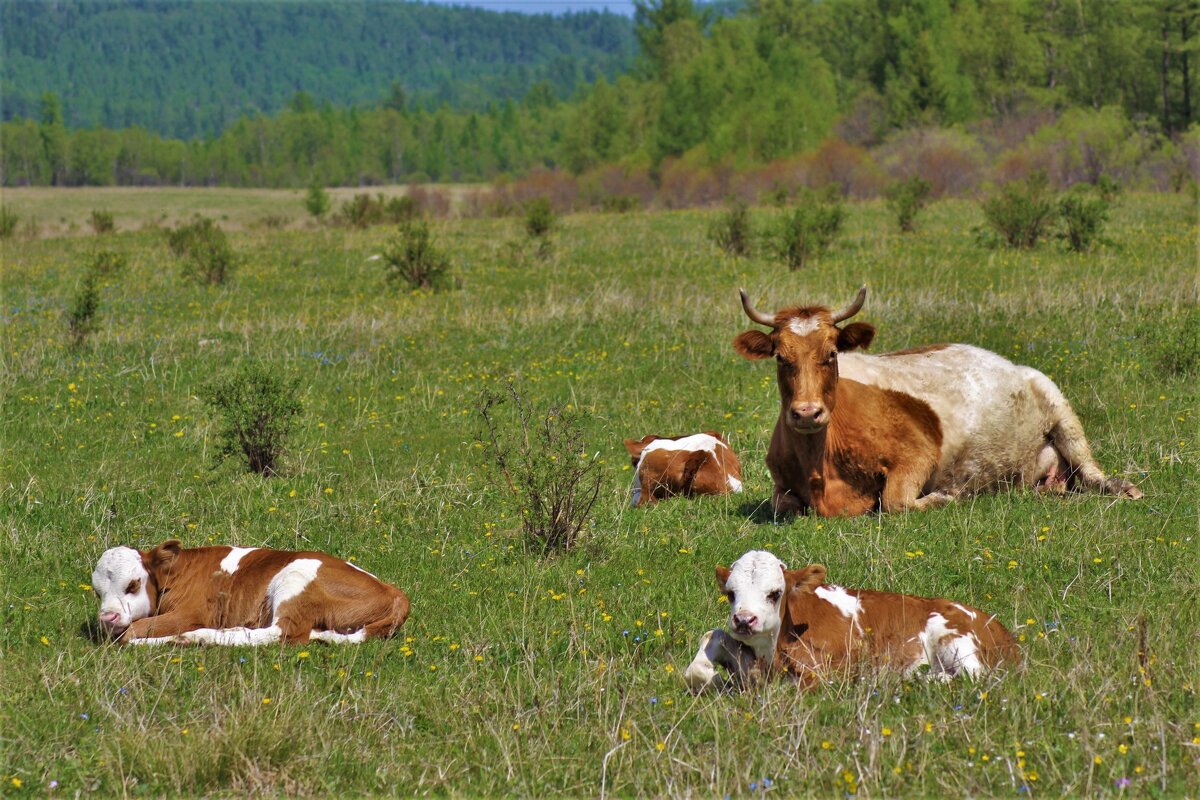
pixel 241 596
pixel 911 429
pixel 702 463
pixel 791 622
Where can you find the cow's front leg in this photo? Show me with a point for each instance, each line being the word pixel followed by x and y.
pixel 719 649
pixel 785 504
pixel 159 630
pixel 901 490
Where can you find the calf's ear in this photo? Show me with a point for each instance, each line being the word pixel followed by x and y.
pixel 854 336
pixel 722 576
pixel 636 446
pixel 804 580
pixel 163 556
pixel 754 345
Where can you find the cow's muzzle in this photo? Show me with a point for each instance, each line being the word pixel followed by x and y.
pixel 744 623
pixel 807 417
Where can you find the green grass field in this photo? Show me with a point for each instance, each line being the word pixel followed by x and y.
pixel 530 675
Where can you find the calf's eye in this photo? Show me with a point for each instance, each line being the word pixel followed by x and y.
pixel 133 586
pixel 774 596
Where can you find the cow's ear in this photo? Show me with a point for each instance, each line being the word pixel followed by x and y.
pixel 722 576
pixel 804 580
pixel 854 336
pixel 754 345
pixel 635 446
pixel 163 556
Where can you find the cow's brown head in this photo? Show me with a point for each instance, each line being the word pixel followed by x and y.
pixel 805 343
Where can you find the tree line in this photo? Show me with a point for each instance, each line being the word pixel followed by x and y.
pixel 772 79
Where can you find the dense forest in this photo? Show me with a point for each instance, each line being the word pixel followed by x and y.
pixel 980 79
pixel 188 68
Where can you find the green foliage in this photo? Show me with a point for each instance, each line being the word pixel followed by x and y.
pixel 906 199
pixel 1083 218
pixel 8 222
pixel 102 222
pixel 205 250
pixel 413 259
pixel 317 201
pixel 540 218
pixel 732 231
pixel 81 316
pixel 543 459
pixel 258 410
pixel 108 263
pixel 1171 340
pixel 400 209
pixel 363 210
pixel 1021 212
pixel 1108 188
pixel 809 228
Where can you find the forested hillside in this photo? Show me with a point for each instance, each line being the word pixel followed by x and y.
pixel 185 68
pixel 970 88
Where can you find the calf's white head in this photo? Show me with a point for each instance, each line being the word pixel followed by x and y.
pixel 755 585
pixel 122 583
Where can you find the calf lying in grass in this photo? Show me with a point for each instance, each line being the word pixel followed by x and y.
pixel 241 596
pixel 702 463
pixel 791 622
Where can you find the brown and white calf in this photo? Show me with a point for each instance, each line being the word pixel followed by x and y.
pixel 702 463
pixel 911 429
pixel 791 622
pixel 241 596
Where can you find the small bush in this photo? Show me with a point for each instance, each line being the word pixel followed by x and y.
pixel 809 229
pixel 317 201
pixel 8 222
pixel 361 212
pixel 412 258
pixel 545 466
pixel 1082 217
pixel 732 232
pixel 102 222
pixel 204 248
pixel 258 409
pixel 1108 188
pixel 620 203
pixel 1171 341
pixel 106 262
pixel 906 199
pixel 1022 211
pixel 81 316
pixel 273 222
pixel 540 218
pixel 400 209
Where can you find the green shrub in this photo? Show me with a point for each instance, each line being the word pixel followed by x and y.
pixel 400 209
pixel 204 248
pixel 106 262
pixel 732 231
pixel 807 230
pixel 539 218
pixel 906 199
pixel 258 409
pixel 361 212
pixel 81 316
pixel 1083 217
pixel 102 222
pixel 412 258
pixel 1022 211
pixel 1108 188
pixel 546 470
pixel 317 201
pixel 8 222
pixel 620 203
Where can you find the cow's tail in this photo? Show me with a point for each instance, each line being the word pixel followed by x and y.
pixel 1068 439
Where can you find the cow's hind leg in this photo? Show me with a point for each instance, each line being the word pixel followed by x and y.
pixel 1069 440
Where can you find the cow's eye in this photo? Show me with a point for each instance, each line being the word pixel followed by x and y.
pixel 783 362
pixel 133 586
pixel 774 596
pixel 729 596
pixel 829 359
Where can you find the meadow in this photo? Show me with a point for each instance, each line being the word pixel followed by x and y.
pixel 528 674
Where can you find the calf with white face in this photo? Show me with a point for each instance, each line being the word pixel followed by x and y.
pixel 240 596
pixel 792 622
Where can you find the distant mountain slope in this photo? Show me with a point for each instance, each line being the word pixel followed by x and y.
pixel 186 68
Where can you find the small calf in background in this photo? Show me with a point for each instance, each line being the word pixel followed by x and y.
pixel 241 596
pixel 791 621
pixel 702 463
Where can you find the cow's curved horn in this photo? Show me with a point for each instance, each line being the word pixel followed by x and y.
pixel 754 314
pixel 852 309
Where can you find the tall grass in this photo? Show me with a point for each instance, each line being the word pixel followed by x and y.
pixel 523 675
